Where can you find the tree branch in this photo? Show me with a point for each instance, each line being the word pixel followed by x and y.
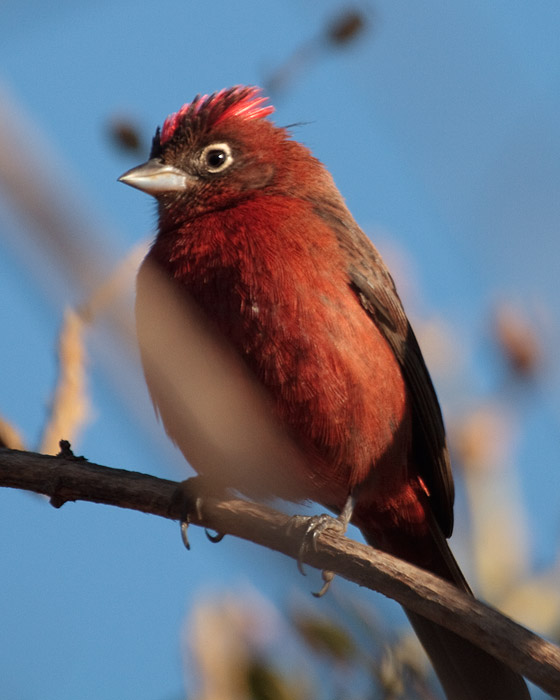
pixel 67 478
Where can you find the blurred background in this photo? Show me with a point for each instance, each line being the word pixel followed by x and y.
pixel 439 122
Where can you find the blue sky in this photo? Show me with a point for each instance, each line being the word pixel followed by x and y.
pixel 440 126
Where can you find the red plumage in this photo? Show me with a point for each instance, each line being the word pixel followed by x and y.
pixel 245 103
pixel 255 239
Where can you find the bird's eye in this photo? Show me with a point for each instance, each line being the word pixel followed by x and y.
pixel 216 157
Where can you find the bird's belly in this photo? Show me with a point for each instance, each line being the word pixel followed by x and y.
pixel 308 402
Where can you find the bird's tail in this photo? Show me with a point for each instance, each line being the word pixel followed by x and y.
pixel 465 671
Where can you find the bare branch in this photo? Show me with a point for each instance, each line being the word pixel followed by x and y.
pixel 70 479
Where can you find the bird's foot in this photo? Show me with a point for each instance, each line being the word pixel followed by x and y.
pixel 315 525
pixel 188 501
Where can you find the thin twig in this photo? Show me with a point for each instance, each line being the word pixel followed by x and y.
pixel 10 436
pixel 70 404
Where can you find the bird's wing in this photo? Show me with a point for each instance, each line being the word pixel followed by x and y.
pixel 372 283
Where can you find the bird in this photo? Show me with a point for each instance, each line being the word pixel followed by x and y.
pixel 268 321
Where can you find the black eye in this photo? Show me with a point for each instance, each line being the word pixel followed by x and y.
pixel 216 157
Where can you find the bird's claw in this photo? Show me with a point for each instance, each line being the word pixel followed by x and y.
pixel 315 525
pixel 184 534
pixel 328 576
pixel 218 537
pixel 187 502
pixel 185 520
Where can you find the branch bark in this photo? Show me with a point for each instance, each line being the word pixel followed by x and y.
pixel 67 478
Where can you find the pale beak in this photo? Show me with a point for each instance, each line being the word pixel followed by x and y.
pixel 155 178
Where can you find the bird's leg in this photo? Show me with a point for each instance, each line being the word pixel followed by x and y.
pixel 188 500
pixel 317 524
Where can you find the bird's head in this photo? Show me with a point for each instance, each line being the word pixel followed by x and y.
pixel 218 150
